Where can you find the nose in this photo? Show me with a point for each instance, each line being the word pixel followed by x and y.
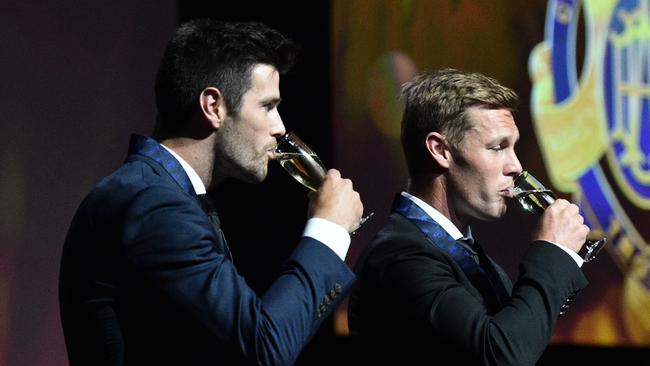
pixel 278 129
pixel 513 167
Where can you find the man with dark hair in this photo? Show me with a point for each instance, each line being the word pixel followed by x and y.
pixel 426 289
pixel 146 276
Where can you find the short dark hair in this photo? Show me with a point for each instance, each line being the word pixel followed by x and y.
pixel 437 102
pixel 206 52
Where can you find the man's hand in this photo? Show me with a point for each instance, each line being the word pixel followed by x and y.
pixel 336 201
pixel 561 223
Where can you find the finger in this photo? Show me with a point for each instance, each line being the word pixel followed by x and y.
pixel 562 203
pixel 347 183
pixel 574 209
pixel 334 173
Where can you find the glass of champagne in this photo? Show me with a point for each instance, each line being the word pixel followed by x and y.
pixel 302 163
pixel 534 197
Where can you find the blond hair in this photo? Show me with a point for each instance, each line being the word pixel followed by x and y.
pixel 438 102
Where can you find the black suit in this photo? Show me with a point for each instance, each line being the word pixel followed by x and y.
pixel 415 304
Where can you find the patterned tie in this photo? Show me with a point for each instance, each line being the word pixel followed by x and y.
pixel 468 244
pixel 208 207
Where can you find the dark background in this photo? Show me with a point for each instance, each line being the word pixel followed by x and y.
pixel 77 79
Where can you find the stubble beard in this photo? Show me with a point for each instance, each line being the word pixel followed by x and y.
pixel 231 160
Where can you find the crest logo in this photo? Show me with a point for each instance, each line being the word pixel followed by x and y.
pixel 627 87
pixel 594 130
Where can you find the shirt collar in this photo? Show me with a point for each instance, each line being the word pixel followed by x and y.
pixel 441 219
pixel 197 183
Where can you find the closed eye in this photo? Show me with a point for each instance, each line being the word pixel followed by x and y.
pixel 502 144
pixel 271 104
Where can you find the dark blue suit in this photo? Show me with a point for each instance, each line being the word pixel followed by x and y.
pixel 145 279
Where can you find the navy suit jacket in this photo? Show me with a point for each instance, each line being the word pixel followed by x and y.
pixel 145 279
pixel 415 304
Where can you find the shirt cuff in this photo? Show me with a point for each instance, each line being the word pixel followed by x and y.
pixel 579 261
pixel 332 235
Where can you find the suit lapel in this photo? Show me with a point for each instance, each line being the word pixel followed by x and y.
pixel 141 146
pixel 486 280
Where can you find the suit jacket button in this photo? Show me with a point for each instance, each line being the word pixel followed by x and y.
pixel 338 288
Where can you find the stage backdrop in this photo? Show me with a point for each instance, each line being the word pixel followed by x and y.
pixel 77 79
pixel 582 70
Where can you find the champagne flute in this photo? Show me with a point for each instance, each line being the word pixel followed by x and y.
pixel 302 163
pixel 534 197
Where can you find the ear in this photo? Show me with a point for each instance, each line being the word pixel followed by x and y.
pixel 213 106
pixel 438 149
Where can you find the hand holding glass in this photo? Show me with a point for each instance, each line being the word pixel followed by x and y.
pixel 302 163
pixel 534 197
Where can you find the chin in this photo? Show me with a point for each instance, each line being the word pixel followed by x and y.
pixel 490 218
pixel 260 176
pixel 257 178
pixel 492 215
pixel 500 214
pixel 253 176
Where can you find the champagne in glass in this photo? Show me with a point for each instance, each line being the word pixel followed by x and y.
pixel 535 200
pixel 534 197
pixel 305 168
pixel 302 163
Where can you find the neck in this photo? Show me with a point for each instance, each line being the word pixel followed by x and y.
pixel 435 191
pixel 198 153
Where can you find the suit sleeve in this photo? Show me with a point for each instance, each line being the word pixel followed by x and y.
pixel 515 335
pixel 171 242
